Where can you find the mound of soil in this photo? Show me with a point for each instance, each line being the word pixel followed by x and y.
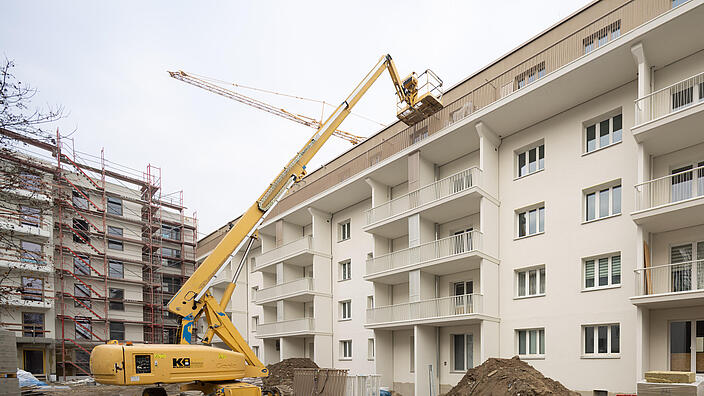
pixel 281 373
pixel 498 377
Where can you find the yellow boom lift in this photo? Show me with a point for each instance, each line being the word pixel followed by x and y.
pixel 218 371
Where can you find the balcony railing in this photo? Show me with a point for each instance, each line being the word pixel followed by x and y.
pixel 670 99
pixel 297 286
pixel 670 189
pixel 301 325
pixel 442 248
pixel 436 308
pixel 451 185
pixel 670 278
pixel 631 14
pixel 275 255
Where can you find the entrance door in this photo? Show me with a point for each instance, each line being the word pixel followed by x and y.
pixel 687 337
pixel 34 361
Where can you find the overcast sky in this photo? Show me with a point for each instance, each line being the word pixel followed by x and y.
pixel 106 63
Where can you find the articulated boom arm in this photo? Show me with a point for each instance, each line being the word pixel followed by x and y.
pixel 193 299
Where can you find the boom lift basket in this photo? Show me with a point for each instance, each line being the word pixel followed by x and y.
pixel 426 101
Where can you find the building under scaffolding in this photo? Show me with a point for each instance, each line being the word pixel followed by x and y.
pixel 91 251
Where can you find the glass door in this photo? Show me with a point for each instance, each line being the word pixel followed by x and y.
pixel 699 341
pixel 681 183
pixel 681 269
pixel 681 346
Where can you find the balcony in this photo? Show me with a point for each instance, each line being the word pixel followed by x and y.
pixel 294 327
pixel 440 202
pixel 671 202
pixel 298 252
pixel 670 118
pixel 440 257
pixel 26 224
pixel 445 310
pixel 26 261
pixel 300 290
pixel 670 285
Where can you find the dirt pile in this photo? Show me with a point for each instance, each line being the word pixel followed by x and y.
pixel 281 373
pixel 498 377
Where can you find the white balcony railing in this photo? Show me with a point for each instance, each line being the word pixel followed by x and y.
pixel 301 325
pixel 670 278
pixel 439 308
pixel 451 185
pixel 301 285
pixel 670 99
pixel 446 247
pixel 670 189
pixel 284 251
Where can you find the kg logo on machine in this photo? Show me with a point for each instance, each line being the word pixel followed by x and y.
pixel 182 362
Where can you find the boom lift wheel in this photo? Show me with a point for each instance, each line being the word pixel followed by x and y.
pixel 158 391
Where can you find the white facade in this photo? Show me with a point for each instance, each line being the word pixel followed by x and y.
pixel 544 222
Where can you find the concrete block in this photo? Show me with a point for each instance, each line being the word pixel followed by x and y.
pixel 670 377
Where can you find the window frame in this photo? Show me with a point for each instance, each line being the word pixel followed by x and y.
pixel 539 338
pixel 468 352
pixel 116 203
pixel 615 136
pixel 112 263
pixel 345 310
pixel 28 253
pixel 344 230
pixel 526 151
pixel 540 277
pixel 345 267
pixel 116 303
pixel 30 216
pixel 610 271
pixel 117 331
pixel 36 294
pixel 346 350
pixel 539 210
pixel 371 348
pixel 595 327
pixel 597 193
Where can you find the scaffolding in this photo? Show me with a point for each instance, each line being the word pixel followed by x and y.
pixel 148 234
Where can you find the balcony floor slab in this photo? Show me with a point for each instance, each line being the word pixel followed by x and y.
pixel 672 132
pixel 670 300
pixel 682 214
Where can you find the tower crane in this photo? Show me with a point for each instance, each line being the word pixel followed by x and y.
pixel 311 122
pixel 220 371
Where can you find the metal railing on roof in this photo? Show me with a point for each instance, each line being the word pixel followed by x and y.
pixel 600 32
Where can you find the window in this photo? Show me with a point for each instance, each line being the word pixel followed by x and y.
pixel 602 340
pixel 531 160
pixel 346 270
pixel 255 349
pixel 346 310
pixel 30 216
pixel 79 200
pixel 30 252
pixel 30 182
pixel 370 302
pixel 601 37
pixel 113 243
pixel 255 323
pixel 419 135
pixel 531 282
pixel 677 3
pixel 370 349
pixel 117 331
pixel 116 269
pixel 170 284
pixel 81 264
pixel 346 349
pixel 32 289
pixel 602 271
pixel 83 328
pixel 80 231
pixel 170 232
pixel 32 324
pixel 115 206
pixel 529 76
pixel 531 342
pixel 531 222
pixel 462 352
pixel 117 299
pixel 602 202
pixel 255 289
pixel 169 252
pixel 81 294
pixel 603 133
pixel 345 230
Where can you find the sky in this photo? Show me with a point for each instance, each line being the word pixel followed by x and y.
pixel 106 63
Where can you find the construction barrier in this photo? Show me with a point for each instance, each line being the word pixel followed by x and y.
pixel 363 385
pixel 319 382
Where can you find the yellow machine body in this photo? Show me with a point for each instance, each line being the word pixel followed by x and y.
pixel 143 364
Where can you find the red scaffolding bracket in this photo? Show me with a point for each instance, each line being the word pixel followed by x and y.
pixel 78 168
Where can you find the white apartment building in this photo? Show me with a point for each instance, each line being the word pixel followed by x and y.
pixel 554 210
